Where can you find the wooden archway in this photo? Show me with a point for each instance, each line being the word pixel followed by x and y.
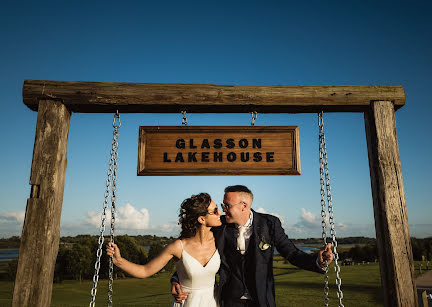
pixel 55 101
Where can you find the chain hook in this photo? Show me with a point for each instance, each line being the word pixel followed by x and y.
pixel 254 117
pixel 116 116
pixel 184 119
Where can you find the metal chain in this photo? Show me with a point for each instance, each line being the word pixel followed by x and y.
pixel 324 172
pixel 323 206
pixel 184 119
pixel 254 117
pixel 110 189
pixel 114 157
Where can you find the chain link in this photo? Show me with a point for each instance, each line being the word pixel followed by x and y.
pixel 323 206
pixel 254 117
pixel 184 119
pixel 325 183
pixel 110 190
pixel 114 157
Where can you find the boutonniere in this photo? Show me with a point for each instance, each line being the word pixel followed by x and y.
pixel 263 245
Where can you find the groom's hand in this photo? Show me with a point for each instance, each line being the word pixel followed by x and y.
pixel 177 292
pixel 325 254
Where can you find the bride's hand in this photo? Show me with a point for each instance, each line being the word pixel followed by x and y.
pixel 114 252
pixel 177 292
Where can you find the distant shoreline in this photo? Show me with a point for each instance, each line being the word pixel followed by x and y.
pixel 8 255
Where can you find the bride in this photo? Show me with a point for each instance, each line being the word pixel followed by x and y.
pixel 195 251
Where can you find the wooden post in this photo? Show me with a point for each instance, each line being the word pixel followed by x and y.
pixel 391 221
pixel 424 298
pixel 41 230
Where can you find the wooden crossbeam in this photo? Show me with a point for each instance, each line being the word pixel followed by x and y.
pixel 107 97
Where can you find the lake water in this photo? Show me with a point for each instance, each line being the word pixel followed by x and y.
pixel 8 254
pixel 308 248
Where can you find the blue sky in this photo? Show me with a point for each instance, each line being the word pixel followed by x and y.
pixel 235 42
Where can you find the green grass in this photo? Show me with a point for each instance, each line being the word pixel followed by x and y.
pixel 154 291
pixel 294 287
pixel 361 287
pixel 6 291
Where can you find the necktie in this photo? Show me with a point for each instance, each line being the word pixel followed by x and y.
pixel 241 242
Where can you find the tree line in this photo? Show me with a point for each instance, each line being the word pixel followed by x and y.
pixel 147 240
pixel 344 240
pixel 421 249
pixel 77 255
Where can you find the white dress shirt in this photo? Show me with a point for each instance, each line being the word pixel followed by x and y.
pixel 248 232
pixel 247 235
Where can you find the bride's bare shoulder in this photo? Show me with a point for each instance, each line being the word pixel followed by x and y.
pixel 175 248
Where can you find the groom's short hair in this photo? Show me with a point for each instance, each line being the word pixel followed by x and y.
pixel 239 189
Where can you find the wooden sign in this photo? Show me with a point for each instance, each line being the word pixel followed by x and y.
pixel 215 150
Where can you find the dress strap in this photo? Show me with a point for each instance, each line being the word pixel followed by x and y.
pixel 181 242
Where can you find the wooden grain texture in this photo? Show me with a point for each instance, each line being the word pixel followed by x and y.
pixel 391 220
pixel 157 152
pixel 41 229
pixel 101 97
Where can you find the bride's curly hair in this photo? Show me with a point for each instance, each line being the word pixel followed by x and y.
pixel 190 209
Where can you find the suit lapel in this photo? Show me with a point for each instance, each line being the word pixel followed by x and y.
pixel 256 224
pixel 225 237
pixel 230 237
pixel 218 234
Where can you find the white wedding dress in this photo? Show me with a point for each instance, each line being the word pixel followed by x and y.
pixel 198 280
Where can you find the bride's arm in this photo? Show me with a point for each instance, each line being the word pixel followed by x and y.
pixel 146 270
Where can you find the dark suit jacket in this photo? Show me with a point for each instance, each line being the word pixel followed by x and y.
pixel 254 270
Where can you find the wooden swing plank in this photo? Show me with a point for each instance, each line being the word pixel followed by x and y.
pixel 107 97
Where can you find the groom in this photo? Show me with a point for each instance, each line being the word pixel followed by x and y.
pixel 246 242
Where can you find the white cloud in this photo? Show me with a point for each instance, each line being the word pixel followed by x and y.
pixel 309 225
pixel 262 210
pixel 308 219
pixel 134 221
pixel 17 216
pixel 11 223
pixel 169 228
pixel 127 217
pixel 93 218
pixel 131 218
